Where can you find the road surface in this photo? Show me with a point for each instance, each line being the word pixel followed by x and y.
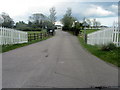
pixel 59 62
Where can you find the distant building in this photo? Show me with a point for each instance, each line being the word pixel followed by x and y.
pixel 102 27
pixel 58 26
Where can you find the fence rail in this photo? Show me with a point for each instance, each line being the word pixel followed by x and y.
pixel 103 37
pixel 12 36
pixel 37 36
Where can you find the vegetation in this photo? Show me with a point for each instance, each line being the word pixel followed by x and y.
pixel 108 47
pixel 89 30
pixel 30 32
pixel 37 23
pixel 108 53
pixel 52 16
pixel 71 24
pixel 68 20
pixel 7 20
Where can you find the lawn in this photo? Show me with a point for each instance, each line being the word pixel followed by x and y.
pixel 90 30
pixel 112 56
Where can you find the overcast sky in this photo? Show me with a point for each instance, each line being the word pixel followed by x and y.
pixel 104 11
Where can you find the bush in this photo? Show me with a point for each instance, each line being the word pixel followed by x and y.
pixel 29 29
pixel 108 47
pixel 66 28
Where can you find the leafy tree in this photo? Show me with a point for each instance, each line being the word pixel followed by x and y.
pixel 29 24
pixel 49 25
pixel 37 20
pixel 21 24
pixel 89 22
pixel 68 19
pixel 81 26
pixel 8 22
pixel 96 23
pixel 1 20
pixel 77 28
pixel 37 17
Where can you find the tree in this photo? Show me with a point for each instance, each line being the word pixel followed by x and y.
pixel 1 20
pixel 85 23
pixel 68 20
pixel 52 16
pixel 29 24
pixel 96 24
pixel 76 28
pixel 37 20
pixel 37 17
pixel 8 22
pixel 21 24
pixel 49 25
pixel 89 22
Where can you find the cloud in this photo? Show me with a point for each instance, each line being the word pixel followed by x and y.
pixel 95 10
pixel 114 7
pixel 21 9
pixel 108 21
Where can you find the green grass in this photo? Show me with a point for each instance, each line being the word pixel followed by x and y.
pixel 6 48
pixel 90 30
pixel 30 32
pixel 112 56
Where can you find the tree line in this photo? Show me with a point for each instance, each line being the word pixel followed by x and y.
pixel 71 23
pixel 39 21
pixel 36 22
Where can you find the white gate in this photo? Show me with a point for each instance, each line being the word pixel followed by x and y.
pixel 103 37
pixel 12 36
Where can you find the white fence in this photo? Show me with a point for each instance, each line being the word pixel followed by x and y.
pixel 12 36
pixel 103 37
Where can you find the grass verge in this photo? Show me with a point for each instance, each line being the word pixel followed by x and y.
pixel 112 56
pixel 90 30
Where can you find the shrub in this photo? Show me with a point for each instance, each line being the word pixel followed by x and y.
pixel 108 47
pixel 29 29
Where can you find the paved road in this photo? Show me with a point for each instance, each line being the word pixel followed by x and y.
pixel 57 62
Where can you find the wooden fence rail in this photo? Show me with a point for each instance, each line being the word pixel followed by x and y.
pixel 37 36
pixel 12 36
pixel 104 37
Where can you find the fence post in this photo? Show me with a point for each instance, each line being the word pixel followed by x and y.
pixel 37 36
pixel 40 35
pixel 34 36
pixel 29 37
pixel 44 34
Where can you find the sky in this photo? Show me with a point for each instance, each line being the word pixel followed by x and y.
pixel 104 11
